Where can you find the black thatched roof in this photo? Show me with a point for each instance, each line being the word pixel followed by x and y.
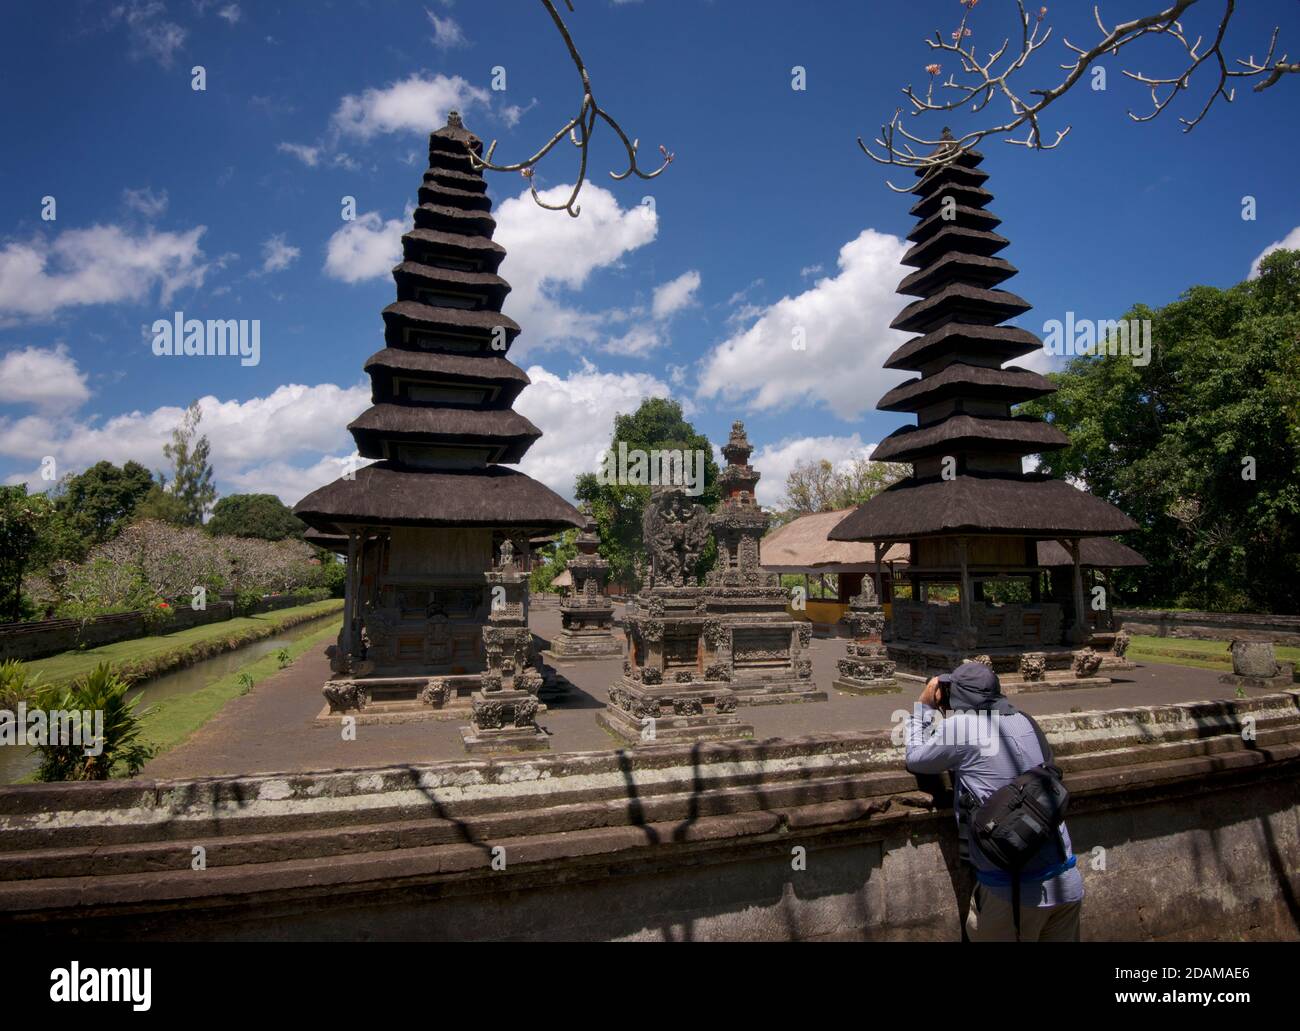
pixel 976 504
pixel 961 433
pixel 1098 552
pixel 960 302
pixel 442 388
pixel 460 367
pixel 403 315
pixel 1012 384
pixel 969 268
pixel 484 254
pixel 507 432
pixel 386 494
pixel 1000 342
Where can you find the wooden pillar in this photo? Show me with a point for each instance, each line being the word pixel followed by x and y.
pixel 965 587
pixel 349 593
pixel 880 576
pixel 1079 632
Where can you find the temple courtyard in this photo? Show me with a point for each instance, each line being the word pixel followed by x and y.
pixel 274 729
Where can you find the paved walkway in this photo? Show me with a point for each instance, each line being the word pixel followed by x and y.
pixel 270 730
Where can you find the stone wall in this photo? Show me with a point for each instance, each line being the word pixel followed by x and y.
pixel 1211 626
pixel 41 638
pixel 1198 824
pixel 38 639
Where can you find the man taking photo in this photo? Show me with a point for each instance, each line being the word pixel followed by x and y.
pixel 987 744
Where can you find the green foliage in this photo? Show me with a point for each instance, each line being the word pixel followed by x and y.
pixel 25 523
pixel 161 505
pixel 334 574
pixel 191 482
pixel 120 749
pixel 97 503
pixel 658 424
pixel 551 562
pixel 245 682
pixel 254 515
pixel 821 487
pixel 17 685
pixel 247 601
pixel 1167 443
pixel 283 657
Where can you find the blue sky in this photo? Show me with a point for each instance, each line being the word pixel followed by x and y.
pixel 226 204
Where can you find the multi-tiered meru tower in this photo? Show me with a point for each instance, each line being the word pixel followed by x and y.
pixel 968 511
pixel 426 521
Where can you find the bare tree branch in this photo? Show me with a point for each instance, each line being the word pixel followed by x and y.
pixel 983 80
pixel 579 129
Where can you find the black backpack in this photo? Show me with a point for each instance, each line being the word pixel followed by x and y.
pixel 1018 819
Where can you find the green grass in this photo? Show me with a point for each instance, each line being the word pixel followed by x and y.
pixel 145 657
pixel 174 719
pixel 1200 654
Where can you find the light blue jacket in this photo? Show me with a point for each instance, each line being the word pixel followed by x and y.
pixel 982 757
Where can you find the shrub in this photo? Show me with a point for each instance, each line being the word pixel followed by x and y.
pixel 100 691
pixel 17 685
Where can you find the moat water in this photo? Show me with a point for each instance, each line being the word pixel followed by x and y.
pixel 18 762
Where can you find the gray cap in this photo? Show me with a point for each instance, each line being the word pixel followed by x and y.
pixel 973 685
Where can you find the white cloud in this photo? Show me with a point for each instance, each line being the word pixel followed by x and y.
pixel 810 270
pixel 576 416
pixel 446 32
pixel 145 202
pixel 230 13
pixel 45 377
pixel 253 442
pixel 548 253
pixel 365 248
pixel 511 113
pixel 278 255
pixel 99 265
pixel 844 320
pixel 309 156
pixel 1289 242
pixel 149 30
pixel 775 461
pixel 415 104
pixel 676 294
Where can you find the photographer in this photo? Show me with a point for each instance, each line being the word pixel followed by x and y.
pixel 987 744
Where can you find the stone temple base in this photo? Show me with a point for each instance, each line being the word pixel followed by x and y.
pixel 1283 681
pixel 505 720
pixel 918 663
pixel 405 699
pixel 866 669
pixel 855 685
pixel 570 646
pixel 700 711
pixel 775 692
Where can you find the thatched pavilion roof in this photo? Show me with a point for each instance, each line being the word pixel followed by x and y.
pixel 387 494
pixel 802 546
pixel 1033 506
pixel 1097 552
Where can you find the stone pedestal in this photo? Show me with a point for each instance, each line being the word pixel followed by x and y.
pixel 1255 665
pixel 640 713
pixel 867 667
pixel 504 712
pixel 587 614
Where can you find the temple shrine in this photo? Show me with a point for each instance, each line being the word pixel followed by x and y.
pixel 435 529
pixel 969 513
pixel 586 612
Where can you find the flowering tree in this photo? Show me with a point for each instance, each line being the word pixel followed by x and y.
pixel 976 83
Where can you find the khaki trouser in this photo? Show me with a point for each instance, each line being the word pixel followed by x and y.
pixel 990 920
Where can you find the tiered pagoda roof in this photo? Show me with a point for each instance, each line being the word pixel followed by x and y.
pixel 442 388
pixel 964 393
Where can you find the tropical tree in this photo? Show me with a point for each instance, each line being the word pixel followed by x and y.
pixel 191 478
pixel 820 486
pixel 254 515
pixel 657 425
pixel 1201 445
pixel 97 503
pixel 27 523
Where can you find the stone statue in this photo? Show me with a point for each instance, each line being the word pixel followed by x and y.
pixel 675 532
